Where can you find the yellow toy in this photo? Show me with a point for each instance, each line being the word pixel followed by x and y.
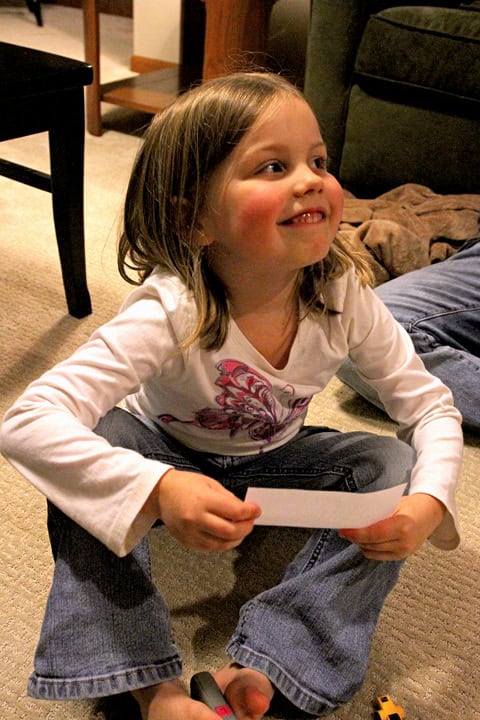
pixel 387 710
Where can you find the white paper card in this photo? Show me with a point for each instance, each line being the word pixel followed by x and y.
pixel 323 508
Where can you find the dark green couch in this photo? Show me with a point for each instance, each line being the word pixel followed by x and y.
pixel 396 89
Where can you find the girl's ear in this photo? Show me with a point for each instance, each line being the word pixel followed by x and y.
pixel 203 238
pixel 185 207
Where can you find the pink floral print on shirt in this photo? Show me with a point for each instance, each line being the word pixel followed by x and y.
pixel 246 403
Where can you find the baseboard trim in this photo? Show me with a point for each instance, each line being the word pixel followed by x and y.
pixel 123 8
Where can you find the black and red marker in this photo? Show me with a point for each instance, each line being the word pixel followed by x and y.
pixel 204 688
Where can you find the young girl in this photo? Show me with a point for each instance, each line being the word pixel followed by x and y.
pixel 246 306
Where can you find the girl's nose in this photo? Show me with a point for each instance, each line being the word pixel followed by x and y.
pixel 307 180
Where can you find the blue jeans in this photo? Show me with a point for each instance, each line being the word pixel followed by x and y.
pixel 107 630
pixel 439 306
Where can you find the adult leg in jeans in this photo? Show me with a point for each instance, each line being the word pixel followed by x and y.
pixel 439 306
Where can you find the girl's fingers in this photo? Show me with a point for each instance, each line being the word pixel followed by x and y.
pixel 227 530
pixel 226 505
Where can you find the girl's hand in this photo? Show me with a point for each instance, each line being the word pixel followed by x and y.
pixel 400 535
pixel 199 512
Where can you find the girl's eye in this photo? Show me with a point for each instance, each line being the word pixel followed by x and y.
pixel 320 162
pixel 275 166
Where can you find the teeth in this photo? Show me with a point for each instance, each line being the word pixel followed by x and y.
pixel 308 218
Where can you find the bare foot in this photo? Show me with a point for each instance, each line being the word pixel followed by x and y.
pixel 248 691
pixel 170 701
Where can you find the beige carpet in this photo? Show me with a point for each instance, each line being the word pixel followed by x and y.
pixel 427 647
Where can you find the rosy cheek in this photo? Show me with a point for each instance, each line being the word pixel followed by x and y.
pixel 259 207
pixel 336 198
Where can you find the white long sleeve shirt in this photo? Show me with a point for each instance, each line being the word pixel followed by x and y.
pixel 229 401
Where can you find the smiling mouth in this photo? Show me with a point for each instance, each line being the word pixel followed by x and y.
pixel 306 218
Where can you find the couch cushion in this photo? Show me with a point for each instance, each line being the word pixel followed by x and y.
pixel 422 49
pixel 388 143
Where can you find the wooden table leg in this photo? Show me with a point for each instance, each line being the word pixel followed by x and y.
pixel 91 37
pixel 235 36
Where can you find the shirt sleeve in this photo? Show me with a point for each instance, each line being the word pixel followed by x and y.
pixel 419 402
pixel 48 433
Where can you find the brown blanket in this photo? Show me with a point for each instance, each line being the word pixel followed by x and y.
pixel 409 227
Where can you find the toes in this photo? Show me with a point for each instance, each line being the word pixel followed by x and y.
pixel 255 701
pixel 247 701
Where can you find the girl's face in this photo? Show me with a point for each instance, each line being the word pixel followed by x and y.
pixel 272 207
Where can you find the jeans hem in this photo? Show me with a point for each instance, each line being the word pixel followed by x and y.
pixel 280 679
pixel 46 688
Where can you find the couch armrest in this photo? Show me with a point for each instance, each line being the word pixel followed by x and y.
pixel 335 32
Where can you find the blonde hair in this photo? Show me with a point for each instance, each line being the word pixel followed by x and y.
pixel 167 194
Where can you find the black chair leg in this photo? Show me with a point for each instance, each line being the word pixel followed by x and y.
pixel 67 164
pixel 35 7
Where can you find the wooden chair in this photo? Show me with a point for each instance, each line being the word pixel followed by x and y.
pixel 43 92
pixel 35 7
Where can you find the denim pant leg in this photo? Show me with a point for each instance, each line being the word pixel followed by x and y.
pixel 439 306
pixel 311 634
pixel 106 628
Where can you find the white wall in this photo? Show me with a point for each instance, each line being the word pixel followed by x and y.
pixel 156 29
